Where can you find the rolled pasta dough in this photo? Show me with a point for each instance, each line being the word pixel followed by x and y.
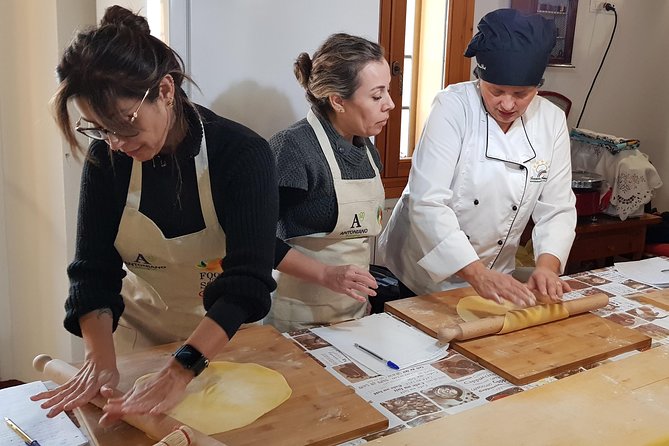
pixel 229 395
pixel 471 308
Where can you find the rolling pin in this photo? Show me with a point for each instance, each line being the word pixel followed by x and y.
pixel 172 432
pixel 493 324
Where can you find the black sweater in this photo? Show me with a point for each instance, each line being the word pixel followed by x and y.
pixel 243 182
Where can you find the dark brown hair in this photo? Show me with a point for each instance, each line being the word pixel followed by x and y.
pixel 117 59
pixel 334 68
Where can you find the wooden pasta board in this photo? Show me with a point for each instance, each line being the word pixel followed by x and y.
pixel 527 355
pixel 659 299
pixel 320 411
pixel 617 404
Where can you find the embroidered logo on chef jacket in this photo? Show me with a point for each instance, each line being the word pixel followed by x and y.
pixel 141 262
pixel 539 172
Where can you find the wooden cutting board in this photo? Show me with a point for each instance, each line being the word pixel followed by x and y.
pixel 527 355
pixel 618 404
pixel 659 299
pixel 320 411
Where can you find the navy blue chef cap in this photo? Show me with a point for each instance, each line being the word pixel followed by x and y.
pixel 512 48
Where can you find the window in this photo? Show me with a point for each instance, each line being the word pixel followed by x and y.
pixel 424 41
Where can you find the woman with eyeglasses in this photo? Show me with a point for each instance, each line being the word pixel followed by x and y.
pixel 177 217
pixel 492 155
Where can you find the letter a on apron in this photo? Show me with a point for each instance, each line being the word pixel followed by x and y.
pixel 163 289
pixel 299 304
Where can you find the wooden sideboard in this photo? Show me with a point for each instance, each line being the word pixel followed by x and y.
pixel 602 239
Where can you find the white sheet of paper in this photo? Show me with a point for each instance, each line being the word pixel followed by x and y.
pixel 653 271
pixel 386 336
pixel 16 405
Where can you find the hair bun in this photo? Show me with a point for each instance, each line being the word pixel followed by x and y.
pixel 119 16
pixel 302 69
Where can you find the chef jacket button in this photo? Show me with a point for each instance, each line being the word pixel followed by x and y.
pixel 467 237
pixel 521 167
pixel 476 202
pixel 499 242
pixel 514 207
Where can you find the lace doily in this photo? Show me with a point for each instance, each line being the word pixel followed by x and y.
pixel 630 175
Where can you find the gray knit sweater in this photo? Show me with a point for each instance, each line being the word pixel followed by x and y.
pixel 307 200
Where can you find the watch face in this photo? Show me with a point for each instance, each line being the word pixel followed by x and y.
pixel 189 357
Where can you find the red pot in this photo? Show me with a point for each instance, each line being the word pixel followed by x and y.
pixel 587 187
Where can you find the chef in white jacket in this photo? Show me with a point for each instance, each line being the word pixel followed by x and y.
pixel 492 155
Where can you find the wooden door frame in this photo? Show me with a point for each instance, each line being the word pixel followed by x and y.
pixel 392 22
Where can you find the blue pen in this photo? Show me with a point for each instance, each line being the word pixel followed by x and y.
pixel 390 364
pixel 26 439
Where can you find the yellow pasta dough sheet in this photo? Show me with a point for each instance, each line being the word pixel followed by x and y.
pixel 536 315
pixel 471 308
pixel 229 395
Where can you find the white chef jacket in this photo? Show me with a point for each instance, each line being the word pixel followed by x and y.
pixel 473 188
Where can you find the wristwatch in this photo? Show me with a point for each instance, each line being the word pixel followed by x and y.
pixel 191 359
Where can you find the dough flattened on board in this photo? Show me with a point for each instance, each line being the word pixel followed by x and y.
pixel 320 411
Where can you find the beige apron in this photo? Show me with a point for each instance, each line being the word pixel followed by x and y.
pixel 299 304
pixel 166 279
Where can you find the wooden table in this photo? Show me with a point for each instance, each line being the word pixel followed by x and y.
pixel 617 404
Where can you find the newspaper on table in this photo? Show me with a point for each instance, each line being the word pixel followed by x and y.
pixel 417 394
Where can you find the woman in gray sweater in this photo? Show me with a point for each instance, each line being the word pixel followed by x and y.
pixel 330 191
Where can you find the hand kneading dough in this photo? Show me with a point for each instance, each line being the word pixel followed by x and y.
pixel 229 395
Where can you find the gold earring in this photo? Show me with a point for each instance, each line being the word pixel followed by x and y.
pixel 170 102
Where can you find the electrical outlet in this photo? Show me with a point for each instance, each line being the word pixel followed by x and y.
pixel 597 6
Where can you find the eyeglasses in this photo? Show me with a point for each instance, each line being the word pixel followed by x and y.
pixel 101 133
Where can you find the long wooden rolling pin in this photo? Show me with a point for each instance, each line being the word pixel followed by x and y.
pixel 155 426
pixel 493 324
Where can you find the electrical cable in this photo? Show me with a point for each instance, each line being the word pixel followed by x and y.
pixel 608 7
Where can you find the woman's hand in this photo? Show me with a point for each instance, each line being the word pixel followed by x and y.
pixel 496 286
pixel 96 375
pixel 158 394
pixel 545 279
pixel 99 372
pixel 164 390
pixel 546 282
pixel 351 280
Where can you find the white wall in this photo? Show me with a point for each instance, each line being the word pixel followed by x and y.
pixel 630 96
pixel 241 52
pixel 33 236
